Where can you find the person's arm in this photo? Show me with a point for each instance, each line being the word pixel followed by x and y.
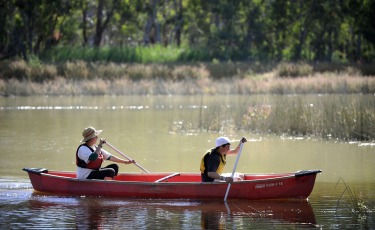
pixel 111 157
pixel 237 149
pixel 96 153
pixel 215 175
pixel 120 160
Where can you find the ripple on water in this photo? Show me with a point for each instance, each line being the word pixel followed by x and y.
pixel 21 207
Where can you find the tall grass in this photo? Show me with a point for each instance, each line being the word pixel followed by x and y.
pixel 327 117
pixel 331 117
pixel 203 78
pixel 252 77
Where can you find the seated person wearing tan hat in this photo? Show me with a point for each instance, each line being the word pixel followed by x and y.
pixel 89 158
pixel 213 162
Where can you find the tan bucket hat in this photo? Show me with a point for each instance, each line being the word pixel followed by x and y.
pixel 89 133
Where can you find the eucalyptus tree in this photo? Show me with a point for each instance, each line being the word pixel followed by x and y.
pixel 96 18
pixel 311 30
pixel 358 38
pixel 7 43
pixel 31 25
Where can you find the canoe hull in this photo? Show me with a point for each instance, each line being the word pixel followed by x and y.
pixel 180 186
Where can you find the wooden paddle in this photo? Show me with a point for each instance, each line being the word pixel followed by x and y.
pixel 118 151
pixel 234 170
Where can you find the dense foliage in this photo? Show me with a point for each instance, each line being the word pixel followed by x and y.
pixel 200 30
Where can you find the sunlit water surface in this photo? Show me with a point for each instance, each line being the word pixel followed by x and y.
pixel 45 132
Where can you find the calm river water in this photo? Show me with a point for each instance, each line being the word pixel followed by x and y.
pixel 156 131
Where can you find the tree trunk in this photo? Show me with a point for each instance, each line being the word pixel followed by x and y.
pixel 359 54
pixel 99 19
pixel 84 24
pixel 152 30
pixel 100 25
pixel 179 24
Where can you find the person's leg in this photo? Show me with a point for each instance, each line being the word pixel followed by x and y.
pixel 103 173
pixel 112 166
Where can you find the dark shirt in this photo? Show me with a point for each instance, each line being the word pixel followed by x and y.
pixel 211 163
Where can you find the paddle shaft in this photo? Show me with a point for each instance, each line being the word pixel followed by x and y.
pixel 118 151
pixel 234 170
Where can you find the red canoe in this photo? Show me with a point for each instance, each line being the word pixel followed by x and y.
pixel 298 185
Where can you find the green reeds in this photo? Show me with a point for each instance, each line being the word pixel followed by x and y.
pixel 354 204
pixel 342 118
pixel 332 117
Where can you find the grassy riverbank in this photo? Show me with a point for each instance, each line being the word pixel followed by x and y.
pixel 21 78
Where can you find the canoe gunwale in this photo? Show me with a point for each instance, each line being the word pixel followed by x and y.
pixel 163 182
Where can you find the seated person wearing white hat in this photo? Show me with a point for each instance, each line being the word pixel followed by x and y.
pixel 89 158
pixel 214 160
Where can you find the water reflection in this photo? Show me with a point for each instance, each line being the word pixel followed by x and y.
pixel 212 220
pixel 23 208
pixel 89 216
pixel 100 212
pixel 214 215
